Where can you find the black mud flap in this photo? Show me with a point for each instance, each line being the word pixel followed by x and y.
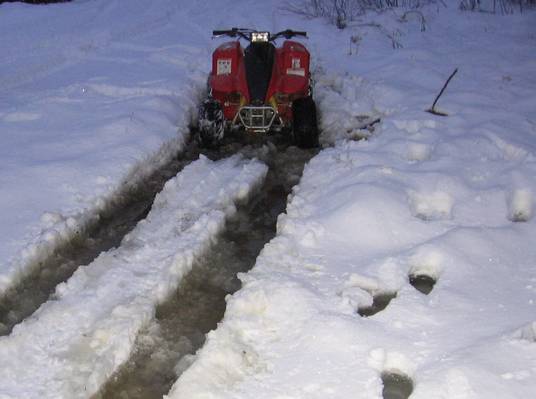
pixel 211 124
pixel 304 125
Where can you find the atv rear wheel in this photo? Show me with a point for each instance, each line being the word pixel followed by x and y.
pixel 304 129
pixel 211 124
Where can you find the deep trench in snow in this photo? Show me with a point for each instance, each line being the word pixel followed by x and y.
pixel 199 303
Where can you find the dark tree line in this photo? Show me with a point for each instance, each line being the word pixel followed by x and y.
pixel 341 12
pixel 34 1
pixel 497 6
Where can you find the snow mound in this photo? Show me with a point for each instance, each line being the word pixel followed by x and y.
pixel 431 206
pixel 346 107
pixel 527 333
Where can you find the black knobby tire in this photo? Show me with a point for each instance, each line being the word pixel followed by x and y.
pixel 304 125
pixel 211 124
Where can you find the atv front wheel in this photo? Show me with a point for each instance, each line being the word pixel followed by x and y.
pixel 211 124
pixel 304 128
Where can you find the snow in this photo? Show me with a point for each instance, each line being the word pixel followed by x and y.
pixel 88 107
pixel 120 289
pixel 450 198
pixel 96 94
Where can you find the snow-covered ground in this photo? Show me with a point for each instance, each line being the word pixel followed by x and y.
pixel 447 197
pixel 88 105
pixel 73 343
pixel 95 94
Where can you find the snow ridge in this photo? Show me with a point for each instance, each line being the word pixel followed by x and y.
pixel 59 229
pixel 74 342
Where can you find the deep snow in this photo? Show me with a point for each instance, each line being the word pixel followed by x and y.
pixel 447 197
pixel 74 342
pixel 90 106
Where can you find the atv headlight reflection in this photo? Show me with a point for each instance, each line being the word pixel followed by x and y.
pixel 260 37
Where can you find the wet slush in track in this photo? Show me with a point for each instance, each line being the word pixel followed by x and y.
pixel 164 349
pixel 131 207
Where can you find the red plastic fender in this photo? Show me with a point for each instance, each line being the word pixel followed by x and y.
pixel 228 76
pixel 290 76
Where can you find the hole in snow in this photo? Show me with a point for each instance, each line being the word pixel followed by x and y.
pixel 396 385
pixel 426 265
pixel 422 283
pixel 379 303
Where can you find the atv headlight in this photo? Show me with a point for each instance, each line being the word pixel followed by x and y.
pixel 260 37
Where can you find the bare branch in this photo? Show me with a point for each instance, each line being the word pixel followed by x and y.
pixel 432 109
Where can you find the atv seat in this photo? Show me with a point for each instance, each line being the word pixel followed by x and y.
pixel 259 60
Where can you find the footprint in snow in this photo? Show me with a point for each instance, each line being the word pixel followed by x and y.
pixel 379 302
pixel 436 205
pixel 365 294
pixel 520 205
pixel 396 385
pixel 395 370
pixel 425 268
pixel 422 283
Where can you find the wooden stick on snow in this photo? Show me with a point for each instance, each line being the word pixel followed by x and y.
pixel 432 110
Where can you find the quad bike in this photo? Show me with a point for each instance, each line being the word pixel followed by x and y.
pixel 260 89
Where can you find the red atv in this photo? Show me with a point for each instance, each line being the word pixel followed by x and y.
pixel 259 89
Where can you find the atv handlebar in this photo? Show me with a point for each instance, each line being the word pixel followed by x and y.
pixel 288 34
pixel 230 32
pixel 246 33
pixel 243 33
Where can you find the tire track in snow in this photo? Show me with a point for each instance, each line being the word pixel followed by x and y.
pixel 107 232
pixel 199 303
pixel 74 343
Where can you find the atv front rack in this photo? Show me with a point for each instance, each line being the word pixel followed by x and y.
pixel 258 119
